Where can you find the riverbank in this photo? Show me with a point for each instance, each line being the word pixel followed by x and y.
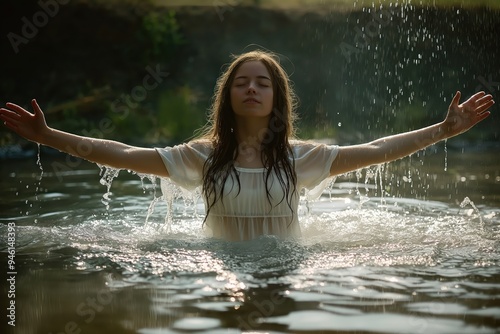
pixel 359 74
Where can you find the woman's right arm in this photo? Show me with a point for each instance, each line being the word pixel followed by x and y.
pixel 106 152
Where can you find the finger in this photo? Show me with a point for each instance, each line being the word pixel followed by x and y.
pixel 10 117
pixel 36 107
pixel 456 99
pixel 478 95
pixel 9 114
pixel 484 99
pixel 483 116
pixel 10 125
pixel 475 97
pixel 18 109
pixel 481 109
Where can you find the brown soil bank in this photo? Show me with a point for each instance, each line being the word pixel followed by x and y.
pixel 358 73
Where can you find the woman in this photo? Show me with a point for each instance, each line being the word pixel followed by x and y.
pixel 247 163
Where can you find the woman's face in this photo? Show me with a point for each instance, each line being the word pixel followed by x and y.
pixel 252 91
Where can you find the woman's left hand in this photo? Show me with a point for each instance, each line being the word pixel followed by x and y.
pixel 462 117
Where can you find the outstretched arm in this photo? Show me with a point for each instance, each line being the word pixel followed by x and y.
pixel 460 118
pixel 106 152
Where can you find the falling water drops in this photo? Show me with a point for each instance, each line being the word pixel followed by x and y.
pixel 39 164
pixel 107 176
pixel 445 155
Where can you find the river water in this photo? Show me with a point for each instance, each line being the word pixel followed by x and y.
pixel 407 247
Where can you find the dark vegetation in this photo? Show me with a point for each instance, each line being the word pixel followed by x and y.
pixel 359 74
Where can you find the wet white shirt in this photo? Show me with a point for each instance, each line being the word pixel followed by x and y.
pixel 245 213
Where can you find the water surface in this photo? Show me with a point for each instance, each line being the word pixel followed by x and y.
pixel 407 247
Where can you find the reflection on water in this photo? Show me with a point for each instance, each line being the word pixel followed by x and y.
pixel 405 248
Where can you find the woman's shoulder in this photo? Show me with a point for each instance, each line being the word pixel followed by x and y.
pixel 301 144
pixel 202 146
pixel 202 143
pixel 308 148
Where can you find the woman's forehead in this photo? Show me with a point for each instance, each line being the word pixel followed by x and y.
pixel 253 68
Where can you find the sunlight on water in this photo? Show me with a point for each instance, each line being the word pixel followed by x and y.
pixel 351 230
pixel 404 259
pixel 466 202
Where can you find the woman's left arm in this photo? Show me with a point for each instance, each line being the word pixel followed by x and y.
pixel 460 118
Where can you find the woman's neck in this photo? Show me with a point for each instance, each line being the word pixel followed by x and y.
pixel 251 131
pixel 250 134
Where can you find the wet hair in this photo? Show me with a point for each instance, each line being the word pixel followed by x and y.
pixel 275 150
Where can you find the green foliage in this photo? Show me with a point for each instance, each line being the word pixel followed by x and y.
pixel 131 124
pixel 178 114
pixel 168 116
pixel 409 117
pixel 316 132
pixel 161 33
pixel 71 121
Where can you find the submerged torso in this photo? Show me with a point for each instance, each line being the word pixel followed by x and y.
pixel 245 211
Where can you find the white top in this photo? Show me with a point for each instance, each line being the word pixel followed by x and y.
pixel 249 214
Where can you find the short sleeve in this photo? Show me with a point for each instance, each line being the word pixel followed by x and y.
pixel 313 162
pixel 185 162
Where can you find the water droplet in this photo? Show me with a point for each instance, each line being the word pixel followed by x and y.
pixel 108 174
pixel 445 156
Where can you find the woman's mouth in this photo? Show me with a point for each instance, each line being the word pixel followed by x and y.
pixel 250 100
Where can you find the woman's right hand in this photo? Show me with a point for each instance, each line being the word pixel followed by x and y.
pixel 105 152
pixel 28 125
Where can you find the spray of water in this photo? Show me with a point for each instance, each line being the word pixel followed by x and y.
pixel 107 176
pixel 38 186
pixel 467 202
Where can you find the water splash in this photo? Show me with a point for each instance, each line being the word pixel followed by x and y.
pixel 445 155
pixel 151 179
pixel 466 202
pixel 39 164
pixel 377 175
pixel 107 176
pixel 38 183
pixel 156 199
pixel 173 193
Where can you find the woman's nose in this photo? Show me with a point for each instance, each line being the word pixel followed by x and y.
pixel 251 87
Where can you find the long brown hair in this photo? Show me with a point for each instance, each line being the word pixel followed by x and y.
pixel 275 151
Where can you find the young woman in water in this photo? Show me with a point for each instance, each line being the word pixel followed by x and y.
pixel 247 162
